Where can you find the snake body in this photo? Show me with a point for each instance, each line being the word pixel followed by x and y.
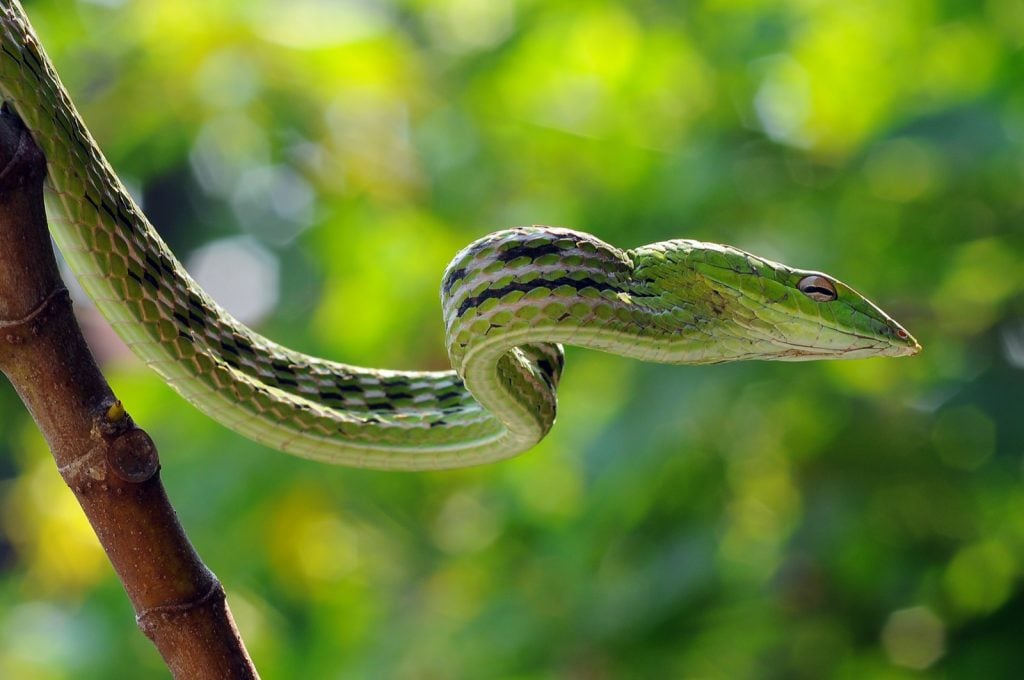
pixel 509 300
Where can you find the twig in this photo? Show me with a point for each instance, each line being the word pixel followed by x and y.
pixel 110 464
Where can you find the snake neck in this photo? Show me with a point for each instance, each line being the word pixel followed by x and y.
pixel 510 299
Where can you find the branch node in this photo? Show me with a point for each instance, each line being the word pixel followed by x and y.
pixel 152 618
pixel 85 469
pixel 16 331
pixel 133 457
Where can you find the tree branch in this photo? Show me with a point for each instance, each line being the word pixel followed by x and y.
pixel 110 464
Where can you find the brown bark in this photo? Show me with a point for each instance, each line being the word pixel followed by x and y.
pixel 108 462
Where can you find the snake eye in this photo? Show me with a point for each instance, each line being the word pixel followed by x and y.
pixel 818 288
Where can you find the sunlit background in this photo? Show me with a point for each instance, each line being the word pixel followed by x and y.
pixel 317 163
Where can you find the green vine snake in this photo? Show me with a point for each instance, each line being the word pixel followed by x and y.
pixel 509 300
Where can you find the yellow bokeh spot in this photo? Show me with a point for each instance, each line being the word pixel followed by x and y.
pixel 604 43
pixel 869 376
pixel 458 591
pixel 463 25
pixel 958 61
pixel 765 507
pixel 1007 16
pixel 311 24
pixel 980 578
pixel 848 52
pixel 548 486
pixel 466 523
pixel 594 72
pixel 50 531
pixel 979 281
pixel 309 544
pixel 914 638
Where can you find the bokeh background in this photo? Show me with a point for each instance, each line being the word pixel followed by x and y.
pixel 317 163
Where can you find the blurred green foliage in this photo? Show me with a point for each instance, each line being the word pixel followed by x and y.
pixel 848 519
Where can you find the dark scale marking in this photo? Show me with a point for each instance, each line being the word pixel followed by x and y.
pixel 331 396
pixel 545 366
pixel 108 210
pixel 151 280
pixel 453 277
pixel 30 66
pixel 35 58
pixel 287 381
pixel 382 406
pixel 166 264
pixel 547 371
pixel 527 287
pixel 400 395
pixel 125 220
pixel 138 279
pixel 194 302
pixel 355 389
pixel 244 345
pixel 10 54
pixel 227 347
pixel 153 264
pixel 79 127
pixel 183 320
pixel 448 395
pixel 437 423
pixel 198 320
pixel 717 303
pixel 529 251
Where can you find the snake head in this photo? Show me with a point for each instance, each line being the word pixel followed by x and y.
pixel 754 308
